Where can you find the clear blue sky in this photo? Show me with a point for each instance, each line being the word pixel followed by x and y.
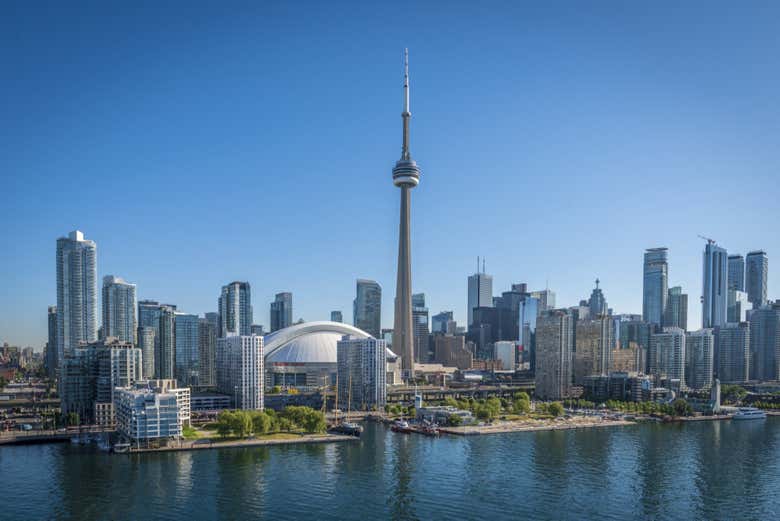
pixel 198 144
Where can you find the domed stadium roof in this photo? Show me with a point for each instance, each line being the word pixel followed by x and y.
pixel 310 342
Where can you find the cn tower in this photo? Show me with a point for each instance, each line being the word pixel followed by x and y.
pixel 406 175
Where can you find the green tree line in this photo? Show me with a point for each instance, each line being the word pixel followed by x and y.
pixel 293 418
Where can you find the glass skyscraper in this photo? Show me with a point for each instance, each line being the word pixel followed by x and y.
pixel 187 356
pixel 757 271
pixel 420 330
pixel 281 311
pixel 655 285
pixel 235 309
pixel 367 307
pixel 119 305
pixel 714 302
pixel 736 272
pixel 480 294
pixel 676 309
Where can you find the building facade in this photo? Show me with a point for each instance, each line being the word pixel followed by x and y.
pixel 450 351
pixel 119 305
pixel 336 316
pixel 240 367
pixel 733 342
pixel 676 309
pixel 667 355
pixel 146 335
pixel 362 373
pixel 699 359
pixel 736 275
pixel 420 329
pixel 554 346
pixel 756 274
pixel 235 309
pixel 187 342
pixel 281 311
pixel 480 294
pixel 593 348
pixel 655 285
pixel 207 349
pixel 765 342
pixel 737 306
pixel 714 286
pixel 52 363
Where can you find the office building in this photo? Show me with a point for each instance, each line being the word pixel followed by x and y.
pixel 362 373
pixel 765 342
pixel 77 298
pixel 146 337
pixel 756 274
pixel 281 311
pixel 143 415
pixel 235 309
pixel 451 351
pixel 655 285
pixel 733 342
pixel 631 358
pixel 554 346
pixel 420 329
pixel 714 286
pixel 119 305
pixel 699 356
pixel 736 275
pixel 480 293
pixel 214 320
pixel 505 352
pixel 597 304
pixel 207 353
pixel 545 299
pixel 367 307
pixel 593 348
pixel 443 323
pixel 676 309
pixel 187 356
pixel 737 306
pixel 667 355
pixel 240 366
pixel 527 316
pixel 336 316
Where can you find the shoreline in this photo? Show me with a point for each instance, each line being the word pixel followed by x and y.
pixel 508 427
pixel 192 445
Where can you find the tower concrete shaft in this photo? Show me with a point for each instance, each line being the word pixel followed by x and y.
pixel 406 176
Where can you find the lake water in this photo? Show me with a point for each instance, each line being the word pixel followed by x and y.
pixel 704 470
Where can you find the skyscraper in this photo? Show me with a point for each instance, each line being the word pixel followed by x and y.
pixel 546 299
pixel 528 313
pixel 699 354
pixel 52 362
pixel 336 316
pixel 421 333
pixel 77 300
pixel 765 342
pixel 406 175
pixel 736 272
pixel 597 303
pixel 593 352
pixel 187 357
pixel 367 308
pixel 240 372
pixel 714 286
pixel 281 311
pixel 736 306
pixel 554 346
pixel 480 293
pixel 733 341
pixel 119 304
pixel 207 347
pixel 362 372
pixel 146 336
pixel 235 309
pixel 441 322
pixel 676 309
pixel 667 355
pixel 655 285
pixel 757 271
pixel 159 317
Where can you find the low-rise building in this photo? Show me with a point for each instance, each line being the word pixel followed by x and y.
pixel 441 414
pixel 143 414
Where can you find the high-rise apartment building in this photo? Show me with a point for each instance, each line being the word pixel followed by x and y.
pixel 362 373
pixel 187 357
pixel 554 346
pixel 480 294
pixel 597 304
pixel 235 309
pixel 765 342
pixel 676 309
pixel 528 313
pixel 207 349
pixel 281 311
pixel 146 336
pixel 756 274
pixel 733 342
pixel 420 328
pixel 77 298
pixel 240 370
pixel 699 356
pixel 367 307
pixel 667 355
pixel 593 348
pixel 714 286
pixel 736 275
pixel 119 305
pixel 655 285
pixel 160 318
pixel 336 316
pixel 52 363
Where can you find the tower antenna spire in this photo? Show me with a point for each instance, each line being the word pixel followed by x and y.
pixel 406 115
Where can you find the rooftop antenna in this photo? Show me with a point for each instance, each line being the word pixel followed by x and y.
pixel 483 264
pixel 597 283
pixel 477 263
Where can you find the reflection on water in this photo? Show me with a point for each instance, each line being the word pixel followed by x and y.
pixel 701 470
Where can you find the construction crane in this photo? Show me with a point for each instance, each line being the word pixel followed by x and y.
pixel 710 241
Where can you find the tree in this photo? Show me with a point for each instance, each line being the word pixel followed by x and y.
pixel 521 404
pixel 3 382
pixel 276 389
pixel 454 420
pixel 73 419
pixel 555 409
pixel 314 421
pixel 681 408
pixel 261 422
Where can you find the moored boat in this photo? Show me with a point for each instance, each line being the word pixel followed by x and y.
pixel 401 426
pixel 749 413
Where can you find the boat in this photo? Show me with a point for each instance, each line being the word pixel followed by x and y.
pixel 429 430
pixel 348 428
pixel 120 448
pixel 749 413
pixel 401 426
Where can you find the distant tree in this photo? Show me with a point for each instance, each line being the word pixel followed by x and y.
pixel 276 389
pixel 261 422
pixel 73 419
pixel 555 409
pixel 454 420
pixel 3 382
pixel 681 408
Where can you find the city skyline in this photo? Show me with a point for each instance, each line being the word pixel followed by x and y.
pixel 519 168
